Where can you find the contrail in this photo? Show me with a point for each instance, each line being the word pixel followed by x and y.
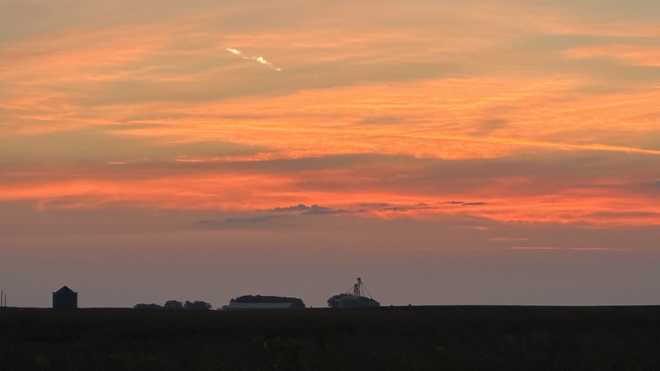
pixel 260 60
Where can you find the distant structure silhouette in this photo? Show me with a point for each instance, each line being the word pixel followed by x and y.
pixel 358 298
pixel 257 302
pixel 173 305
pixel 65 299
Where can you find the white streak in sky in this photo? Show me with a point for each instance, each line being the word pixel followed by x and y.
pixel 260 60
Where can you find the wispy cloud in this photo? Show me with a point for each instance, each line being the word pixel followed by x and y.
pixel 637 55
pixel 257 59
pixel 308 210
pixel 556 248
pixel 245 222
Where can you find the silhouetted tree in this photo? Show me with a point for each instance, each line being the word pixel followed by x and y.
pixel 173 305
pixel 197 305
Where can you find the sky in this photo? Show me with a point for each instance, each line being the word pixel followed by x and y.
pixel 473 152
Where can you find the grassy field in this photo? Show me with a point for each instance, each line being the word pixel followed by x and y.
pixel 404 338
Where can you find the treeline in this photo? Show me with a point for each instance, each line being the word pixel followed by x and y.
pixel 176 305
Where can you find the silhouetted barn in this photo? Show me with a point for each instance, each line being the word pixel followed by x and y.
pixel 257 302
pixel 65 298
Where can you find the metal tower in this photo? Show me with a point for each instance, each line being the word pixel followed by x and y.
pixel 357 287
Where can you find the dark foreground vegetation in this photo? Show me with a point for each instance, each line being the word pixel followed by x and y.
pixel 409 338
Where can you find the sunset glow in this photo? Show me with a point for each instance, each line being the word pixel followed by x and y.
pixel 509 114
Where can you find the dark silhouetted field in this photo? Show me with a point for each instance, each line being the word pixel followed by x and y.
pixel 408 338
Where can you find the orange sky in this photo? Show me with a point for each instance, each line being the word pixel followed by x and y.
pixel 504 112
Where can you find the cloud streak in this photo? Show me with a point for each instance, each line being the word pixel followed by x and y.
pixel 258 59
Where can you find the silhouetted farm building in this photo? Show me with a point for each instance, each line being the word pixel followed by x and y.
pixel 256 302
pixel 65 298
